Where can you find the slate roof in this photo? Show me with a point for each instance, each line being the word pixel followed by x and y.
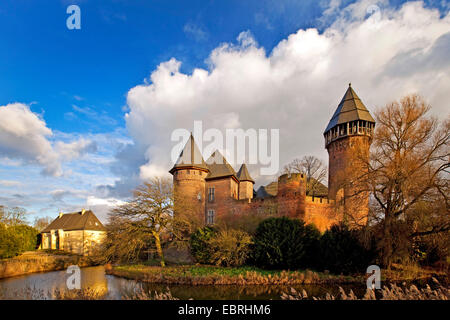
pixel 76 221
pixel 315 188
pixel 219 167
pixel 349 109
pixel 271 190
pixel 190 157
pixel 243 174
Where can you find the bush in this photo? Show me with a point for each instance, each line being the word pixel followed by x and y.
pixel 15 240
pixel 28 237
pixel 199 244
pixel 9 243
pixel 283 243
pixel 229 248
pixel 342 252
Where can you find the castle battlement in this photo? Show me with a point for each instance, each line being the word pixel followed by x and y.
pixel 292 177
pixel 319 200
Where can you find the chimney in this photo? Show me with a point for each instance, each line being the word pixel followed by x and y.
pixel 61 214
pixel 83 211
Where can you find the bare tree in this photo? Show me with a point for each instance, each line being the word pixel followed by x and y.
pixel 150 211
pixel 408 167
pixel 41 223
pixel 314 169
pixel 12 216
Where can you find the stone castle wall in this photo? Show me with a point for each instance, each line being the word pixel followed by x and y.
pixel 344 167
pixel 291 196
pixel 190 191
pixel 291 201
pixel 225 196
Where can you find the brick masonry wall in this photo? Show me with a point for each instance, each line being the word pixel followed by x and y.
pixel 188 184
pixel 340 160
pixel 343 167
pixel 225 196
pixel 291 195
pixel 322 215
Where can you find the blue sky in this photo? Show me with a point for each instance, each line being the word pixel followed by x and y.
pixel 119 43
pixel 77 81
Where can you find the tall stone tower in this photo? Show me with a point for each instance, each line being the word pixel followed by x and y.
pixel 189 173
pixel 349 133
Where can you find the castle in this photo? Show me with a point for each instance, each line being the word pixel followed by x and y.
pixel 214 189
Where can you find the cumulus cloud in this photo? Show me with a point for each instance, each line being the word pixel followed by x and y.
pixel 74 150
pixel 296 87
pixel 102 207
pixel 26 137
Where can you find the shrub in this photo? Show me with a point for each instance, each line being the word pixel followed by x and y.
pixel 229 248
pixel 199 244
pixel 283 243
pixel 15 240
pixel 27 236
pixel 342 252
pixel 9 243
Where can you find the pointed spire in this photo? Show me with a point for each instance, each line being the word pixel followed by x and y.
pixel 349 109
pixel 190 157
pixel 243 174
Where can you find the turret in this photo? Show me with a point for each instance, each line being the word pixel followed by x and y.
pixel 245 183
pixel 348 133
pixel 189 173
pixel 291 196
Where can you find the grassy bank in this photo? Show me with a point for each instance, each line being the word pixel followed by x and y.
pixel 212 275
pixel 40 261
pixel 413 272
pixel 246 275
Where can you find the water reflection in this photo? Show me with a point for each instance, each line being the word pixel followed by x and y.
pixel 111 287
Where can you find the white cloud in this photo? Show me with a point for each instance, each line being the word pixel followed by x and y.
pixel 26 137
pixel 74 150
pixel 9 183
pixel 297 87
pixel 101 207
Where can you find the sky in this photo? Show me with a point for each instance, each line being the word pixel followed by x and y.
pixel 87 114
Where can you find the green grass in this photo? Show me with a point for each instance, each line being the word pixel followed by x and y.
pixel 140 271
pixel 222 271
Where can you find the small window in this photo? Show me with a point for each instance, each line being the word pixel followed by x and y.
pixel 211 194
pixel 210 217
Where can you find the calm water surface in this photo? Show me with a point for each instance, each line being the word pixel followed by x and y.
pixel 112 287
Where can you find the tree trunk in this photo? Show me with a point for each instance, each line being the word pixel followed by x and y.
pixel 159 249
pixel 387 242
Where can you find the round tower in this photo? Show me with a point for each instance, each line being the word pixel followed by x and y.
pixel 291 196
pixel 189 173
pixel 347 138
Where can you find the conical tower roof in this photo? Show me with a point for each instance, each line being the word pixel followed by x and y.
pixel 349 109
pixel 219 167
pixel 190 157
pixel 243 174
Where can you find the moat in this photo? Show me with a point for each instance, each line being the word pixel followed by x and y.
pixel 112 287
